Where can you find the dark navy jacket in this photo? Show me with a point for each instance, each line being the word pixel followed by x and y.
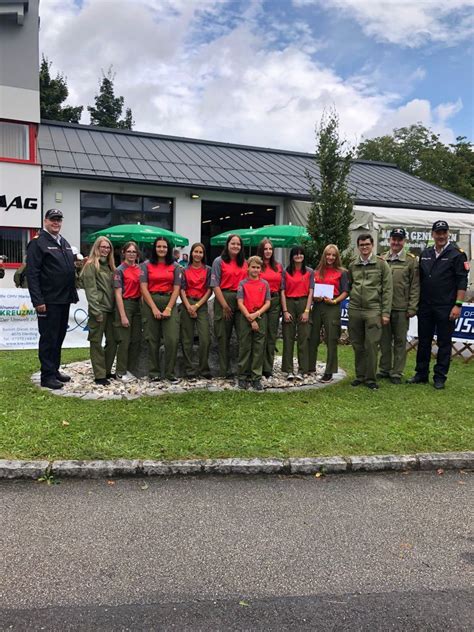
pixel 442 277
pixel 50 271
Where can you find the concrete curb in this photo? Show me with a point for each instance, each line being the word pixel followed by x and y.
pixel 28 470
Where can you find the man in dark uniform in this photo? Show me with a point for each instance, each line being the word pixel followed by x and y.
pixel 51 282
pixel 443 284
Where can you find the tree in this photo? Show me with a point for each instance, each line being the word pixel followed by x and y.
pixel 418 150
pixel 330 215
pixel 53 92
pixel 108 108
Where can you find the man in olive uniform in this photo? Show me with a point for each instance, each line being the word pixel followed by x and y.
pixel 51 282
pixel 443 282
pixel 406 293
pixel 370 304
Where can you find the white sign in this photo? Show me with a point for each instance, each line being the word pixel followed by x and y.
pixel 20 195
pixel 323 290
pixel 19 327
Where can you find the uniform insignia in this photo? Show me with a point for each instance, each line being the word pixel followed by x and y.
pixel 467 267
pixel 411 255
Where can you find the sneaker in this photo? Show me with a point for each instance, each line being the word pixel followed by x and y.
pixel 102 381
pixel 155 379
pixel 242 384
pixel 173 380
pixel 126 377
pixel 356 382
pixel 438 384
pixel 62 377
pixel 417 379
pixel 111 376
pixel 382 376
pixel 257 385
pixel 290 377
pixel 327 377
pixel 299 377
pixel 395 379
pixel 372 385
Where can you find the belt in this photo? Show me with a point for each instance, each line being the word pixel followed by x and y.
pixel 161 293
pixel 296 297
pixel 225 289
pixel 125 298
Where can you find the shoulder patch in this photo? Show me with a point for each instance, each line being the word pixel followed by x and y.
pixel 35 237
pixel 459 249
pixel 410 254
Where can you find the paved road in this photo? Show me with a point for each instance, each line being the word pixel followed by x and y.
pixel 350 552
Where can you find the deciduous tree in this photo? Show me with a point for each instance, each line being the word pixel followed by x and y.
pixel 53 93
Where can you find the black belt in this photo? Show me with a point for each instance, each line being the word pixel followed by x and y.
pixel 228 290
pixel 132 299
pixel 162 293
pixel 297 297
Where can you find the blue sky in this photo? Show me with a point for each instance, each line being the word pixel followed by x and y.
pixel 262 71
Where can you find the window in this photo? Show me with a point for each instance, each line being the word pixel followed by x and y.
pixel 17 142
pixel 13 242
pixel 101 210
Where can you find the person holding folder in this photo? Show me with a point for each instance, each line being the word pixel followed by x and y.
pixel 330 289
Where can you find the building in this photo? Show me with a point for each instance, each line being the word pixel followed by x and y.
pixel 100 177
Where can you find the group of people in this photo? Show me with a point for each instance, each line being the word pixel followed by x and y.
pixel 140 299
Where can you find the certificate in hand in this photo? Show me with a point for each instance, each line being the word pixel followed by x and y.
pixel 323 290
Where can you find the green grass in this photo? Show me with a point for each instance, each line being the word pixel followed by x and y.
pixel 338 420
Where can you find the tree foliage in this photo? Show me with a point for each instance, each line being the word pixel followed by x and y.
pixel 330 215
pixel 108 108
pixel 418 150
pixel 53 93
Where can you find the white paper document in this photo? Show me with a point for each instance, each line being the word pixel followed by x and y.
pixel 323 290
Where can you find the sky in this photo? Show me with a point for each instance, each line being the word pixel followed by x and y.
pixel 263 72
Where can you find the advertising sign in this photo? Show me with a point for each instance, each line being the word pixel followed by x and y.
pixel 20 195
pixel 18 322
pixel 417 238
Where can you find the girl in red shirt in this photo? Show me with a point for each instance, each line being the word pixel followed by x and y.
pixel 227 272
pixel 327 311
pixel 296 299
pixel 195 292
pixel 160 283
pixel 128 321
pixel 272 272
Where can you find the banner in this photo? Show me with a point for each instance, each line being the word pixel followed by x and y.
pixel 464 331
pixel 18 322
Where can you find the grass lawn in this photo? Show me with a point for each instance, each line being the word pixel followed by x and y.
pixel 338 420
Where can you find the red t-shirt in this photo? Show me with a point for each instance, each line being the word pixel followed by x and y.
pixel 254 293
pixel 273 278
pixel 196 281
pixel 160 276
pixel 128 279
pixel 227 276
pixel 338 278
pixel 298 284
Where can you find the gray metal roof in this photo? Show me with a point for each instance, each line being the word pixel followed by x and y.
pixel 82 151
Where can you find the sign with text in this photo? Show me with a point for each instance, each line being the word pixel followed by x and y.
pixel 18 322
pixel 417 238
pixel 20 195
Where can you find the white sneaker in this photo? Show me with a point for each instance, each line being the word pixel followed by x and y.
pixel 126 377
pixel 299 377
pixel 290 377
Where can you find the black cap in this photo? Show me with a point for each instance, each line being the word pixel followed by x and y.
pixel 53 212
pixel 398 232
pixel 440 225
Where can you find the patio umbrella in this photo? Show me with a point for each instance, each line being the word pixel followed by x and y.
pixel 141 233
pixel 282 235
pixel 244 233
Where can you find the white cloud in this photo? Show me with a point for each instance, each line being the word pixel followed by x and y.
pixel 409 23
pixel 187 69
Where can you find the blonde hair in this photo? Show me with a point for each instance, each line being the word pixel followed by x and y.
pixel 94 255
pixel 255 259
pixel 337 263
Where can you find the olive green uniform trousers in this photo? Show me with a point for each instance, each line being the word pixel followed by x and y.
pixel 187 338
pixel 329 317
pixel 102 357
pixel 393 345
pixel 128 338
pixel 365 331
pixel 223 330
pixel 155 330
pixel 296 330
pixel 273 322
pixel 251 348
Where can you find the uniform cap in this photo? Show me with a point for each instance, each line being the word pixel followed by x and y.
pixel 440 225
pixel 398 232
pixel 53 212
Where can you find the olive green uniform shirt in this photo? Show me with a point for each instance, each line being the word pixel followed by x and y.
pixel 406 281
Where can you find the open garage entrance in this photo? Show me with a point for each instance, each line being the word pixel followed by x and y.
pixel 217 217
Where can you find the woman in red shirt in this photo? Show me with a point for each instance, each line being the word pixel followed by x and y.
pixel 272 272
pixel 195 292
pixel 227 272
pixel 296 299
pixel 160 283
pixel 327 311
pixel 128 321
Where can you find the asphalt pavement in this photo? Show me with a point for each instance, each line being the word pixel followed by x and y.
pixel 387 551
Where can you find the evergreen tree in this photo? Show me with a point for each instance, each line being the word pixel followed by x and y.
pixel 53 92
pixel 108 108
pixel 330 215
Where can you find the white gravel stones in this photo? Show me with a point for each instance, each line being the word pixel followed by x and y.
pixel 82 384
